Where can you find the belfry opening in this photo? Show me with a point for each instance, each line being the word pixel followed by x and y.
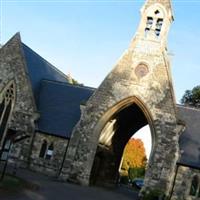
pixel 114 136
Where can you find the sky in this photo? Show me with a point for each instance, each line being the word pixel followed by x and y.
pixel 86 38
pixel 145 136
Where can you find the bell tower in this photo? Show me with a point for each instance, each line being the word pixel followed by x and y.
pixel 156 18
pixel 138 91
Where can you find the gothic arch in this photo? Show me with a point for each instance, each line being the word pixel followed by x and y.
pixel 108 148
pixel 43 149
pixel 120 106
pixel 194 188
pixel 7 102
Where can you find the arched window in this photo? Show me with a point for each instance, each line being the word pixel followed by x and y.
pixel 43 149
pixel 5 119
pixel 2 105
pixel 7 99
pixel 154 22
pixel 159 23
pixel 194 186
pixel 149 24
pixel 49 152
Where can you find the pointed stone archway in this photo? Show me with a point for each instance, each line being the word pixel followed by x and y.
pixel 121 122
pixel 139 85
pixel 7 103
pixel 84 144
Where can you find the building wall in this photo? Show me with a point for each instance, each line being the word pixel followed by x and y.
pixel 50 166
pixel 13 68
pixel 157 97
pixel 19 155
pixel 183 184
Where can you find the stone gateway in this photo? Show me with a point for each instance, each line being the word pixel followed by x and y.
pixel 78 134
pixel 138 91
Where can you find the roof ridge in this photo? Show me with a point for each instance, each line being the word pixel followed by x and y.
pixel 66 83
pixel 188 107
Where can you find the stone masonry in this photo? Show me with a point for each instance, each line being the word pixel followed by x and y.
pixel 138 91
pixel 142 77
pixel 13 68
pixel 183 183
pixel 51 167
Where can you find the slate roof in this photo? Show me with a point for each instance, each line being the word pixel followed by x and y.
pixel 39 68
pixel 59 107
pixel 190 138
pixel 58 102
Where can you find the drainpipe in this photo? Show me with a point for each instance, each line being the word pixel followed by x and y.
pixel 174 182
pixel 35 117
pixel 64 156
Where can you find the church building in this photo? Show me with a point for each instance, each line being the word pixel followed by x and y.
pixel 77 133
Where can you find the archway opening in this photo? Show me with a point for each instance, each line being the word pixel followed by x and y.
pixel 135 159
pixel 117 131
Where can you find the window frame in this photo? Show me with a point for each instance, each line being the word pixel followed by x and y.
pixel 7 102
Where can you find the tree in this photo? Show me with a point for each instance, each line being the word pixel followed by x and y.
pixel 192 97
pixel 134 157
pixel 72 80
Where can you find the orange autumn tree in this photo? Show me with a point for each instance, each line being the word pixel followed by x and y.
pixel 134 156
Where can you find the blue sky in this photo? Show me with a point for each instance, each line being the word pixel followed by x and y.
pixel 86 38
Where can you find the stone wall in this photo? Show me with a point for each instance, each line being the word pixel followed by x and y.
pixel 153 93
pixel 13 67
pixel 183 183
pixel 20 153
pixel 51 166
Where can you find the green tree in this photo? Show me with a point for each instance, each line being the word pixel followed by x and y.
pixel 192 97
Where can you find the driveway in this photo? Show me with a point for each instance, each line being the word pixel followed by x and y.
pixel 54 190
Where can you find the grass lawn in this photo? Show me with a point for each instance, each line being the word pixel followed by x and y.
pixel 12 184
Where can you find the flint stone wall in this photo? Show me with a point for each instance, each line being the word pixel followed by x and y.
pixel 53 166
pixel 155 91
pixel 13 67
pixel 183 183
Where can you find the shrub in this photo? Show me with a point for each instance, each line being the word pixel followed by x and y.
pixel 136 173
pixel 124 180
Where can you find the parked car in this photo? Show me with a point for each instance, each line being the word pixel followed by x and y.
pixel 138 183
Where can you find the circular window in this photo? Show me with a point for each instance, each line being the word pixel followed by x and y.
pixel 141 70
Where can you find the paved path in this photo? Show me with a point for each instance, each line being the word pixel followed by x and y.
pixel 54 190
